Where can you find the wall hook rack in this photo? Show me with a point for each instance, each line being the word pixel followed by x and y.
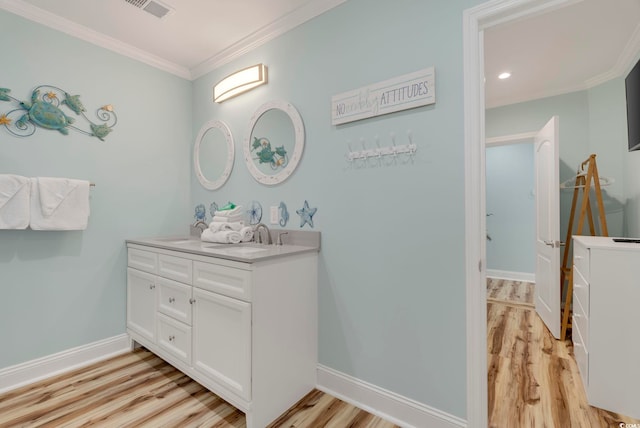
pixel 378 152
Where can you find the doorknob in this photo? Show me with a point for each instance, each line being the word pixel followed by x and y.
pixel 554 244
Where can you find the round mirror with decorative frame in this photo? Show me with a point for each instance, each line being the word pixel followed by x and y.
pixel 213 154
pixel 274 143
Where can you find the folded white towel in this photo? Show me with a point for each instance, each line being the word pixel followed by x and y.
pixel 227 213
pixel 228 219
pixel 247 233
pixel 221 237
pixel 14 201
pixel 217 226
pixel 59 204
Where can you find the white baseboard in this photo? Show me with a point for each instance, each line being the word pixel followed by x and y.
pixel 514 276
pixel 390 406
pixel 41 368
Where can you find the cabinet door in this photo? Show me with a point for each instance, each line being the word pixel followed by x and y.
pixel 222 340
pixel 141 303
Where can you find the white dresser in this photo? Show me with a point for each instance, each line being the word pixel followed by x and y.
pixel 606 322
pixel 245 330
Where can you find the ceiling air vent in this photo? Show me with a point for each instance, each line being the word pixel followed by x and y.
pixel 153 7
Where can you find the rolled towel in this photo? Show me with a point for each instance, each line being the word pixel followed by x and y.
pixel 247 233
pixel 222 237
pixel 217 226
pixel 227 213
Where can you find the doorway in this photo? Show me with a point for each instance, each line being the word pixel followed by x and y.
pixel 475 21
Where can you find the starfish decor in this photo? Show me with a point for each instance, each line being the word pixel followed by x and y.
pixel 306 214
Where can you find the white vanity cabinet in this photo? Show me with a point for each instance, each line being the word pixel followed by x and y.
pixel 606 322
pixel 245 330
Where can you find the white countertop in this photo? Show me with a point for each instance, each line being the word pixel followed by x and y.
pixel 248 252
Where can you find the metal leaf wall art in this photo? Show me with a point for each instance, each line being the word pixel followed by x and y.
pixel 45 110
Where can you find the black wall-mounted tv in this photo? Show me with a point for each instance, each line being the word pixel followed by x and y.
pixel 632 85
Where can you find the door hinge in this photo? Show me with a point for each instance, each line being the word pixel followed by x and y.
pixel 480 265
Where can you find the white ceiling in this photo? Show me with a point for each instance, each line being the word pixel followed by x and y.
pixel 193 39
pixel 569 49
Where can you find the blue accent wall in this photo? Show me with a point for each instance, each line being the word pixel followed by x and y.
pixel 65 289
pixel 391 281
pixel 511 208
pixel 591 121
pixel 391 285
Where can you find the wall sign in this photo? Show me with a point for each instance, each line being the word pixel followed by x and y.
pixel 400 93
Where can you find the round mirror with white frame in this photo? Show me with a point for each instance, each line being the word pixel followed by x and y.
pixel 274 143
pixel 213 154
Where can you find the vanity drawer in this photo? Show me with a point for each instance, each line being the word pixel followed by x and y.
pixel 581 259
pixel 224 280
pixel 175 268
pixel 175 338
pixel 581 291
pixel 174 299
pixel 142 260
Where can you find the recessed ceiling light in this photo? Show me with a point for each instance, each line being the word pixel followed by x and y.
pixel 504 75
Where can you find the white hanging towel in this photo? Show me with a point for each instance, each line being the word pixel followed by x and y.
pixel 59 204
pixel 14 201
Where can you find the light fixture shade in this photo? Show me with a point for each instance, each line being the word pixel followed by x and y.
pixel 239 82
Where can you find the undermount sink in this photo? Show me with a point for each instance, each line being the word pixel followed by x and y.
pixel 175 240
pixel 246 250
pixel 240 249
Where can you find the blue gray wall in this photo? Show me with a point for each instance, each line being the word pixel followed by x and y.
pixel 392 290
pixel 591 121
pixel 65 289
pixel 511 208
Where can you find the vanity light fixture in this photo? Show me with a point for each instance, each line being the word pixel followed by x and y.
pixel 239 82
pixel 504 75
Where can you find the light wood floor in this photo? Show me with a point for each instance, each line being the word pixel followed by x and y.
pixel 139 389
pixel 533 382
pixel 533 378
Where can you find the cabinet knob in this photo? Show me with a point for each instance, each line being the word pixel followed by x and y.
pixel 151 286
pixel 171 299
pixel 192 301
pixel 171 338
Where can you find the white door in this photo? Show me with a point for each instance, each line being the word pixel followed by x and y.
pixel 547 185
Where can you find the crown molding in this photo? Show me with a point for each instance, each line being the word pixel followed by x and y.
pixel 627 59
pixel 269 32
pixel 35 14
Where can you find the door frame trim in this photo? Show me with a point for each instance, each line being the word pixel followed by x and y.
pixel 475 20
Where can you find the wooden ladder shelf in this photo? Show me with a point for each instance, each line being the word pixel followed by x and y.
pixel 586 177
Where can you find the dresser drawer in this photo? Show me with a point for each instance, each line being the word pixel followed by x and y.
pixel 581 259
pixel 174 299
pixel 581 290
pixel 142 260
pixel 175 268
pixel 224 280
pixel 581 321
pixel 581 353
pixel 175 338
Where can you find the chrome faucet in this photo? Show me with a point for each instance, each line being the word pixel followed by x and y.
pixel 201 226
pixel 256 234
